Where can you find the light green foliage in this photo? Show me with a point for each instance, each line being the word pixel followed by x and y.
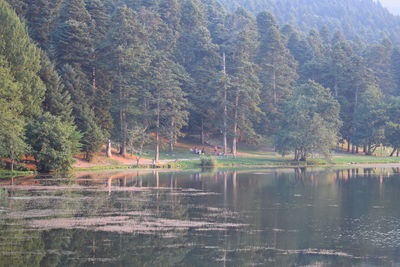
pixel 23 58
pixel 53 143
pixel 208 162
pixel 310 122
pixel 12 122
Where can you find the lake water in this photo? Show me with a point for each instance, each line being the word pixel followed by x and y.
pixel 322 217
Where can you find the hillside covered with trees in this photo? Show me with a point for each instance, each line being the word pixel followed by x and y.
pixel 359 20
pixel 77 73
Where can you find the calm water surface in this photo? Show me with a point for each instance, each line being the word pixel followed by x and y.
pixel 244 218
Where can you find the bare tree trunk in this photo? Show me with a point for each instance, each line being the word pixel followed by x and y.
pixel 394 150
pixel 274 87
pixel 12 159
pixel 225 129
pixel 348 145
pixel 108 149
pixel 157 152
pixel 122 117
pixel 235 126
pixel 353 149
pixel 172 137
pixel 398 151
pixel 202 131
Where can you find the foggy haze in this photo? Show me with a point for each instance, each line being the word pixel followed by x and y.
pixel 392 5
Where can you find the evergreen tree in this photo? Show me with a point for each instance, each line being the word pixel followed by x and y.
pixel 198 55
pixel 92 137
pixel 277 66
pixel 168 102
pixel 244 91
pixel 71 37
pixel 123 53
pixel 23 58
pixel 53 143
pixel 57 101
pixel 12 132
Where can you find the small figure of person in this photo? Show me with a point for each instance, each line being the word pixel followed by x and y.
pixel 196 151
pixel 203 151
pixel 215 150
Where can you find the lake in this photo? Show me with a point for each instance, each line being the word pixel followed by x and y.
pixel 288 217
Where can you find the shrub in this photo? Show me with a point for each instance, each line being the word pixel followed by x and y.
pixel 208 162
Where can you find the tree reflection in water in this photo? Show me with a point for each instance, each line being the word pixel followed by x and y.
pixel 268 217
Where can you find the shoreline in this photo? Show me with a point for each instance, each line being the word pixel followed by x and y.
pixel 229 163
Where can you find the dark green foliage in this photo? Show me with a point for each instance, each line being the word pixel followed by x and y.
pixel 277 68
pixel 92 137
pixel 134 70
pixel 369 120
pixel 392 125
pixel 57 101
pixel 310 122
pixel 53 143
pixel 365 18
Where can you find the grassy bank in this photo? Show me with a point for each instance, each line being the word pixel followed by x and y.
pixel 257 161
pixel 8 174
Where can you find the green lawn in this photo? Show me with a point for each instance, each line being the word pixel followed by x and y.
pixel 8 174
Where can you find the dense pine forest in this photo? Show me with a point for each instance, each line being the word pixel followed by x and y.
pixel 366 20
pixel 77 75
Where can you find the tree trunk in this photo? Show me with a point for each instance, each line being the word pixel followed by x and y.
pixel 12 158
pixel 108 149
pixel 157 152
pixel 348 145
pixel 274 87
pixel 353 149
pixel 225 120
pixel 397 154
pixel 172 137
pixel 235 126
pixel 202 131
pixel 357 149
pixel 122 117
pixel 392 154
pixel 364 148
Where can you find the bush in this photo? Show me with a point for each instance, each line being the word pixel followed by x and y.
pixel 208 162
pixel 53 143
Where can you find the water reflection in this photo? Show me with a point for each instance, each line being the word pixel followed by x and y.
pixel 318 217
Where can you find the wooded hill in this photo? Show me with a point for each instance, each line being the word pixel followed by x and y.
pixel 359 20
pixel 148 71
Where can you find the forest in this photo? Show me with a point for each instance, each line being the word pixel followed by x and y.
pixel 79 75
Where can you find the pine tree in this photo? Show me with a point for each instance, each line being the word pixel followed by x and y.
pixel 57 101
pixel 198 55
pixel 72 43
pixel 23 58
pixel 168 102
pixel 53 143
pixel 243 93
pixel 277 66
pixel 124 57
pixel 84 118
pixel 12 132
